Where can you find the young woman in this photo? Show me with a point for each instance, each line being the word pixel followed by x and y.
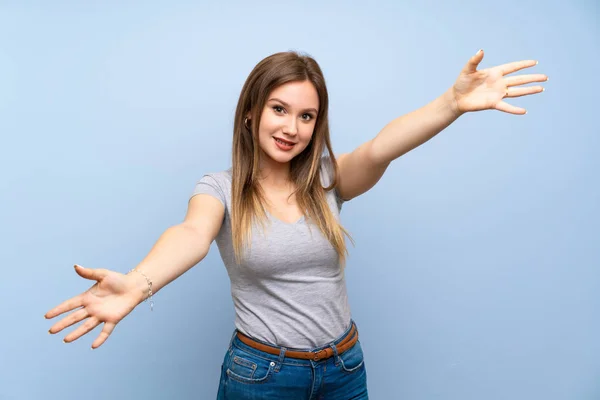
pixel 275 217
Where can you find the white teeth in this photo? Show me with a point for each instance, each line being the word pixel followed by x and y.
pixel 283 143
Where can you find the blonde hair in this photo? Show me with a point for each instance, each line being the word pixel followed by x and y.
pixel 247 197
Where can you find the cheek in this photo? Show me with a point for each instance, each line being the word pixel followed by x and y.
pixel 307 133
pixel 267 126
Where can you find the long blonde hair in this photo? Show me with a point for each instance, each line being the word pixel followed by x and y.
pixel 247 197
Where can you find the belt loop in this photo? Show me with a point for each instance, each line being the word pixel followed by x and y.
pixel 230 348
pixel 281 358
pixel 336 357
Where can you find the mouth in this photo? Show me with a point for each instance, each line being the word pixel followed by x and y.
pixel 284 142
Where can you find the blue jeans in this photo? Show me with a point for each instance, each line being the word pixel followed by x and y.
pixel 248 373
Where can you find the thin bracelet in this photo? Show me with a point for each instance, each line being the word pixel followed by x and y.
pixel 149 288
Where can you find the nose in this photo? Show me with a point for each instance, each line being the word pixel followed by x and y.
pixel 291 126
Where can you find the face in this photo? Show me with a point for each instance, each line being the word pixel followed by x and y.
pixel 288 121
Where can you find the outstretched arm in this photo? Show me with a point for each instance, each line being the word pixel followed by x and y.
pixel 115 295
pixel 474 90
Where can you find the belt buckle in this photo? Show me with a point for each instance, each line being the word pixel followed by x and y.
pixel 317 357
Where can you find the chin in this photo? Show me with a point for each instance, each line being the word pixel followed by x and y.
pixel 282 158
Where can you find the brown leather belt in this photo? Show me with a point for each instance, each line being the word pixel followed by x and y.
pixel 346 343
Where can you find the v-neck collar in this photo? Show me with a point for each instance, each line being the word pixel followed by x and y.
pixel 272 217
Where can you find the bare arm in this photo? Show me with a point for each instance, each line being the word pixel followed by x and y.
pixel 181 246
pixel 362 169
pixel 115 295
pixel 474 90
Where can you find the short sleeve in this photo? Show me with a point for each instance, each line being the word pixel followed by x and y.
pixel 209 185
pixel 327 178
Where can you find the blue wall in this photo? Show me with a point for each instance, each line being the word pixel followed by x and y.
pixel 475 272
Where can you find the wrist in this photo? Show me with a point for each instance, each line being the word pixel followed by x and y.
pixel 140 287
pixel 450 99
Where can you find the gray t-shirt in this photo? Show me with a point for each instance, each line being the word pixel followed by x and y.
pixel 290 289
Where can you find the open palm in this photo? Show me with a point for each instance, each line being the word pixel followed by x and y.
pixel 108 301
pixel 485 89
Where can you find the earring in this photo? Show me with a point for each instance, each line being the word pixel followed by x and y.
pixel 246 122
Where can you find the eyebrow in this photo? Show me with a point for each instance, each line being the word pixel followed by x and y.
pixel 287 105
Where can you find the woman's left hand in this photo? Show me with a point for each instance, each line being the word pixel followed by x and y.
pixel 485 89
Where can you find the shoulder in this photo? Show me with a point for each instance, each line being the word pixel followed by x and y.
pixel 221 177
pixel 328 177
pixel 216 184
pixel 327 170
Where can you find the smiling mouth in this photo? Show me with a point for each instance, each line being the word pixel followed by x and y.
pixel 284 142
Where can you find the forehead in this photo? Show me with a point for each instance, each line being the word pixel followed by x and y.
pixel 297 94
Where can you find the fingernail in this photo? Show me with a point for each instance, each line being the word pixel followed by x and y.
pixel 64 341
pixel 49 333
pixel 537 62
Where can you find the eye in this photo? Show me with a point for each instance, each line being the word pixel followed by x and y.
pixel 307 117
pixel 278 109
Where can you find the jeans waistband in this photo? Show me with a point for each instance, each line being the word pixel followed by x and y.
pixel 235 341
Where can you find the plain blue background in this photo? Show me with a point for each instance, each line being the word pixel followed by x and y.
pixel 475 271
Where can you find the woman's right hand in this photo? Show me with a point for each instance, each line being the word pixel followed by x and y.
pixel 109 300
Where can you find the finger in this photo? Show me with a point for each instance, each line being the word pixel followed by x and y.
pixel 92 274
pixel 106 331
pixel 508 108
pixel 518 92
pixel 65 306
pixel 515 66
pixel 82 329
pixel 473 62
pixel 525 79
pixel 69 320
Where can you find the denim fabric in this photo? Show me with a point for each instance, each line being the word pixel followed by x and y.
pixel 248 373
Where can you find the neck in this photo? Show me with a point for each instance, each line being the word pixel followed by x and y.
pixel 274 174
